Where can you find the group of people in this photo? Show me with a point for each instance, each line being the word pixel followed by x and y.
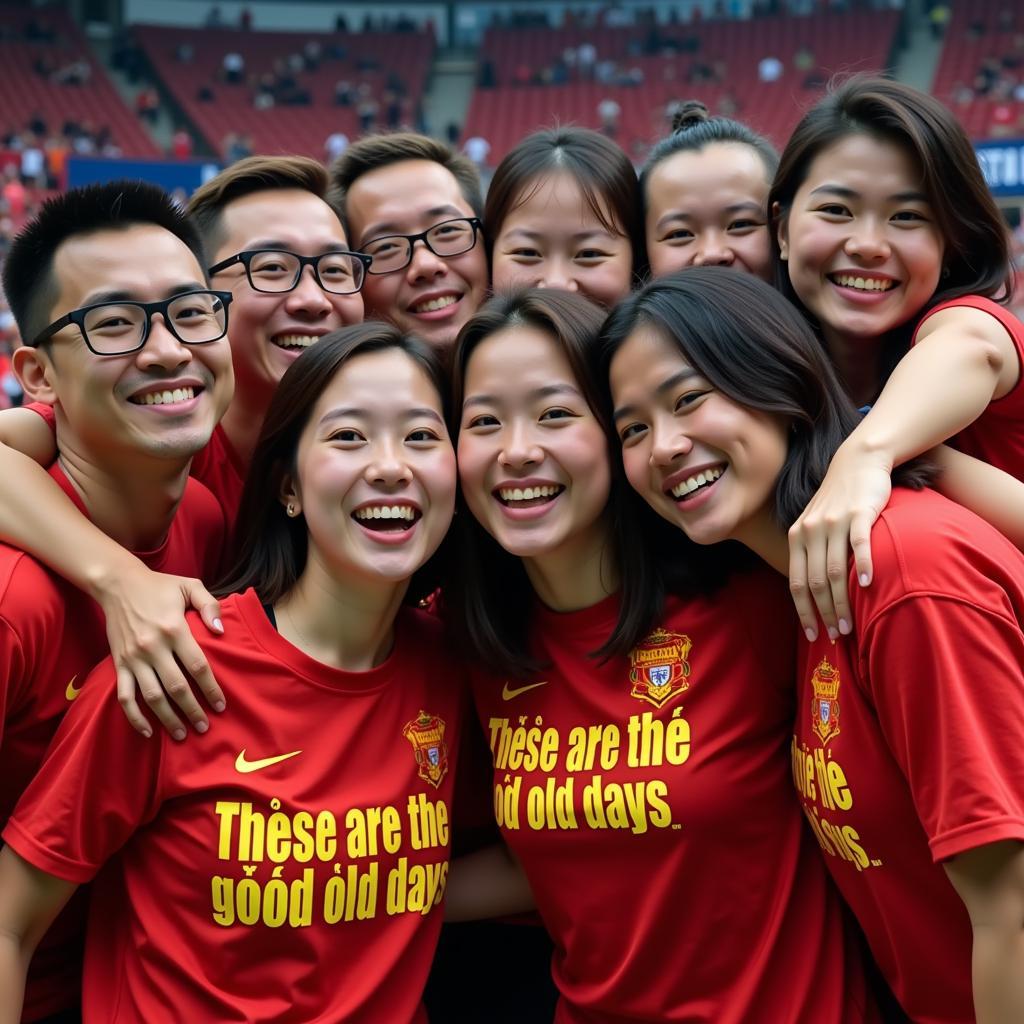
pixel 509 490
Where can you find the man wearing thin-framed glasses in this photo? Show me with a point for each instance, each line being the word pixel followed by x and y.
pixel 414 206
pixel 126 340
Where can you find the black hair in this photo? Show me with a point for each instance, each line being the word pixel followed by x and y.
pixel 271 548
pixel 28 277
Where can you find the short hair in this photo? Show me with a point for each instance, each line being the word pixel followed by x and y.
pixel 28 276
pixel 753 346
pixel 977 257
pixel 271 548
pixel 375 151
pixel 602 170
pixel 490 595
pixel 253 174
pixel 693 129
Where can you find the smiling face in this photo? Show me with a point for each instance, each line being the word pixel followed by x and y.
pixel 862 246
pixel 270 330
pixel 533 459
pixel 433 296
pixel 701 461
pixel 553 239
pixel 375 480
pixel 107 409
pixel 709 208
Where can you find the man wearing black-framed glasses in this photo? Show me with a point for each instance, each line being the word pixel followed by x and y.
pixel 126 341
pixel 414 205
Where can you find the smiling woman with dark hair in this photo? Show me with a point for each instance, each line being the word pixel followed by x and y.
pixel 728 414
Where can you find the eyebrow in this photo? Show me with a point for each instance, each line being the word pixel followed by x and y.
pixel 390 227
pixel 910 196
pixel 276 243
pixel 123 295
pixel 734 208
pixel 357 412
pixel 578 236
pixel 544 392
pixel 673 382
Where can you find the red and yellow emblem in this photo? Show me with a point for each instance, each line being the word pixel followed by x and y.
pixel 825 701
pixel 426 734
pixel 659 669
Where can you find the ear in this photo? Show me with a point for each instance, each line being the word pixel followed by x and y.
pixel 35 370
pixel 289 496
pixel 781 230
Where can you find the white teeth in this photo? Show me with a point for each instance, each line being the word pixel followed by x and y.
pixel 295 340
pixel 168 397
pixel 691 484
pixel 864 284
pixel 527 493
pixel 432 304
pixel 386 512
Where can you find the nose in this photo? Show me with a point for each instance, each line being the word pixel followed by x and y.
pixel 714 251
pixel 668 442
pixel 387 464
pixel 519 448
pixel 307 298
pixel 424 263
pixel 162 349
pixel 556 274
pixel 867 240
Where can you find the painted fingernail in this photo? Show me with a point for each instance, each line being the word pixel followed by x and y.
pixel 147 734
pixel 844 627
pixel 178 734
pixel 219 706
pixel 811 634
pixel 202 726
pixel 865 579
pixel 218 625
pixel 833 633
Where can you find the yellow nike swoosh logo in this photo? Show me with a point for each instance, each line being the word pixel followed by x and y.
pixel 245 766
pixel 508 694
pixel 71 693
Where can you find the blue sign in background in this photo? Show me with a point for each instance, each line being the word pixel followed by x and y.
pixel 170 174
pixel 1002 163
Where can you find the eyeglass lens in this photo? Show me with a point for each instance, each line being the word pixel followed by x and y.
pixel 449 238
pixel 338 272
pixel 117 327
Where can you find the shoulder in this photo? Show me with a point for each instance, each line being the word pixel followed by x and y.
pixel 28 589
pixel 986 315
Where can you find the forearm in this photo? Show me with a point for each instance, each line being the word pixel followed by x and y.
pixel 13 968
pixel 487 883
pixel 38 517
pixel 995 496
pixel 998 973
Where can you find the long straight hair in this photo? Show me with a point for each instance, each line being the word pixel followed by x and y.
pixel 754 347
pixel 491 597
pixel 271 548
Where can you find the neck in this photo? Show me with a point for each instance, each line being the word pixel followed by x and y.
pixel 858 364
pixel 133 503
pixel 336 623
pixel 768 541
pixel 579 574
pixel 243 422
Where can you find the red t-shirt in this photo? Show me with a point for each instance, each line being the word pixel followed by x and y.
pixel 51 636
pixel 285 866
pixel 997 435
pixel 218 466
pixel 909 745
pixel 648 800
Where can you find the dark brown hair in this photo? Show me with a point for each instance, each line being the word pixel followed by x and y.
pixel 600 168
pixel 253 174
pixel 270 547
pixel 376 151
pixel 753 346
pixel 491 596
pixel 693 129
pixel 977 254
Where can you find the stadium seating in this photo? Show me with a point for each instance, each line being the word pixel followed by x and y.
pixel 26 91
pixel 369 58
pixel 838 41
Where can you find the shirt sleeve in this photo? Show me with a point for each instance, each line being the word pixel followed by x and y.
pixel 47 413
pixel 98 785
pixel 946 678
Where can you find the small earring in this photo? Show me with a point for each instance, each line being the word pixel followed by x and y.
pixel 783 255
pixel 291 510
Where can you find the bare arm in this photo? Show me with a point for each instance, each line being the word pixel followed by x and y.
pixel 963 360
pixel 486 883
pixel 990 881
pixel 987 491
pixel 149 638
pixel 29 901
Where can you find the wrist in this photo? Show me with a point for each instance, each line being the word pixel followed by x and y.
pixel 103 579
pixel 868 446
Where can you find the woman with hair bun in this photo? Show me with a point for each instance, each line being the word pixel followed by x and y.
pixel 705 193
pixel 563 211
